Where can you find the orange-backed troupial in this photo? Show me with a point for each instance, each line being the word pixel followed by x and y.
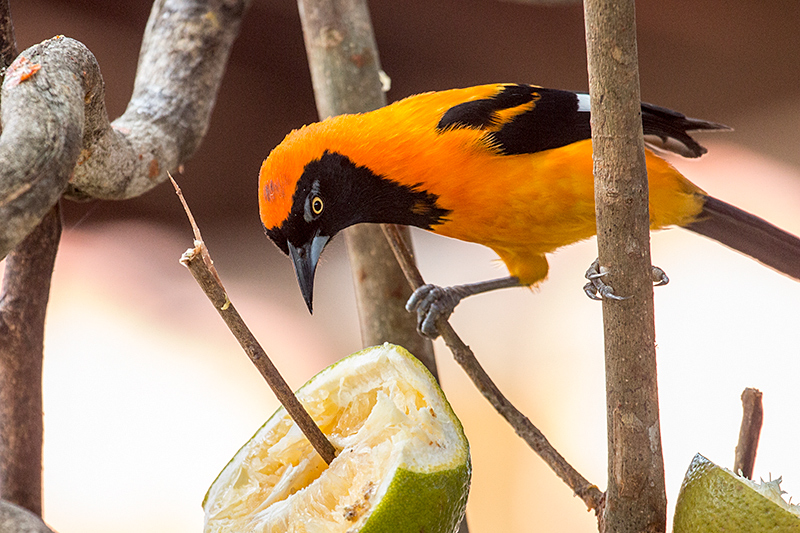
pixel 506 166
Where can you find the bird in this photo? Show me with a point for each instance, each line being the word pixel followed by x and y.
pixel 508 166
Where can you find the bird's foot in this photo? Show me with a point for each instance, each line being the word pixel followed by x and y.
pixel 659 277
pixel 432 302
pixel 596 289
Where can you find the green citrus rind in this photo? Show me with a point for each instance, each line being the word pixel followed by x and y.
pixel 404 469
pixel 713 499
pixel 430 494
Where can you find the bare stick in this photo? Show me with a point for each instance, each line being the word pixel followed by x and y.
pixel 749 433
pixel 589 493
pixel 199 263
pixel 636 496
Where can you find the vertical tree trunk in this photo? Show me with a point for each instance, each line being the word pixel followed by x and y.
pixel 23 303
pixel 635 498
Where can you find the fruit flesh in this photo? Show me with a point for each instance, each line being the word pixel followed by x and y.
pixel 394 432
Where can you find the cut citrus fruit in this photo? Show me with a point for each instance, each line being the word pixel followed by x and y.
pixel 714 499
pixel 403 463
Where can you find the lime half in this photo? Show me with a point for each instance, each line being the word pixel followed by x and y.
pixel 714 499
pixel 402 465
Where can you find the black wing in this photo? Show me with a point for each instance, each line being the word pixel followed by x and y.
pixel 524 119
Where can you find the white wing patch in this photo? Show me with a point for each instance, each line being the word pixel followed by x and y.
pixel 583 103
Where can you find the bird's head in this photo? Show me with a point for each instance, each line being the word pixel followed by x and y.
pixel 311 187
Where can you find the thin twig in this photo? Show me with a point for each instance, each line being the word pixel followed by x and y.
pixel 589 493
pixel 749 433
pixel 199 263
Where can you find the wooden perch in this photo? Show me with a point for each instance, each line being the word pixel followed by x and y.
pixel 54 114
pixel 42 131
pixel 635 497
pixel 23 304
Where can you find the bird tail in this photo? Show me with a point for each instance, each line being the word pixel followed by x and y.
pixel 749 235
pixel 665 129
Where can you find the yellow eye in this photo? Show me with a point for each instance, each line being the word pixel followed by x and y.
pixel 316 205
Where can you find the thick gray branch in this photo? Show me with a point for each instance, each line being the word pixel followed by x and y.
pixel 54 114
pixel 184 52
pixel 43 99
pixel 14 519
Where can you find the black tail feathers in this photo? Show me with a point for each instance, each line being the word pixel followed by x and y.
pixel 666 129
pixel 749 235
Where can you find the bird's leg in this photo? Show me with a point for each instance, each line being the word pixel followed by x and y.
pixel 431 301
pixel 597 286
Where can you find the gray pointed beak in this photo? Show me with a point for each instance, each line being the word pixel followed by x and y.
pixel 305 260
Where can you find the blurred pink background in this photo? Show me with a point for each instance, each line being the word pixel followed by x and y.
pixel 147 395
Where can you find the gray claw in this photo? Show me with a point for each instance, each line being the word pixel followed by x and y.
pixel 591 291
pixel 596 285
pixel 431 302
pixel 659 277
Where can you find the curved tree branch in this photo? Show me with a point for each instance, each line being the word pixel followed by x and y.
pixel 54 114
pixel 184 52
pixel 42 115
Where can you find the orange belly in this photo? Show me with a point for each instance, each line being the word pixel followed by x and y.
pixel 525 206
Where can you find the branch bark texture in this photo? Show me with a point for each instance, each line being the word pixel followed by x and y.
pixel 345 71
pixel 8 43
pixel 15 519
pixel 635 498
pixel 46 94
pixel 23 303
pixel 54 114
